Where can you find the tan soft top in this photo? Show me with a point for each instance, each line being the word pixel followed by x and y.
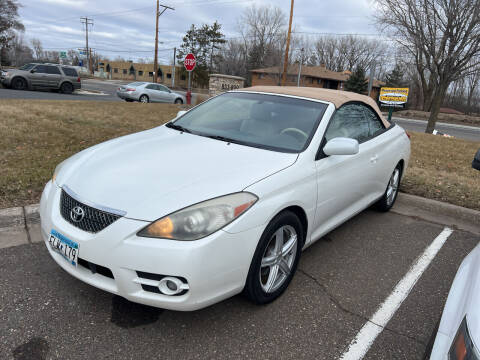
pixel 336 97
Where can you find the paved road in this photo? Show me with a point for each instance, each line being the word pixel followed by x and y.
pixel 342 279
pixel 459 131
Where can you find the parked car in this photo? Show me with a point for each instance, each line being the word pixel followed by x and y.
pixel 42 76
pixel 146 92
pixel 223 198
pixel 458 335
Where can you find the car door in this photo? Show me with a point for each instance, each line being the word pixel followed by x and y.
pixel 54 76
pixel 151 91
pixel 383 152
pixel 39 76
pixel 165 94
pixel 343 181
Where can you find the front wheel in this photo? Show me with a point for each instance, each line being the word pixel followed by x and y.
pixel 388 199
pixel 19 84
pixel 144 99
pixel 276 258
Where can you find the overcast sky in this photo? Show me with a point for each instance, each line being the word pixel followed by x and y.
pixel 127 28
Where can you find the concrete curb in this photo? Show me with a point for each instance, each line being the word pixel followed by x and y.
pixel 21 225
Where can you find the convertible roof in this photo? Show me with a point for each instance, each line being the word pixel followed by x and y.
pixel 336 97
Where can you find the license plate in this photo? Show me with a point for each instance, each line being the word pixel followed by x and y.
pixel 64 246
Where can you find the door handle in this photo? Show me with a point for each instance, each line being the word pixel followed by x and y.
pixel 374 159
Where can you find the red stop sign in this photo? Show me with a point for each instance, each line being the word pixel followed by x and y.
pixel 189 62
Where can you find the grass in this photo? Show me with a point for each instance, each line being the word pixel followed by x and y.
pixel 441 168
pixel 37 135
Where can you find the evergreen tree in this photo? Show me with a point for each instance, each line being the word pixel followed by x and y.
pixel 395 77
pixel 202 42
pixel 357 81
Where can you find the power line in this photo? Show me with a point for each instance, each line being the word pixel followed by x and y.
pixel 85 20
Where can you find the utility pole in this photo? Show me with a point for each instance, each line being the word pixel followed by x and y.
pixel 373 65
pixel 85 20
pixel 174 66
pixel 300 68
pixel 285 63
pixel 157 15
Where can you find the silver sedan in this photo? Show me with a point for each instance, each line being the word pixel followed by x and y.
pixel 146 92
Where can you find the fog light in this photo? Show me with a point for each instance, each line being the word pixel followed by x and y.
pixel 172 286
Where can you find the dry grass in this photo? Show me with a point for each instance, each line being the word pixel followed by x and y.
pixel 441 168
pixel 37 135
pixel 442 117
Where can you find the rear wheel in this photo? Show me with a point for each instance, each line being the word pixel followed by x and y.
pixel 66 88
pixel 388 199
pixel 276 258
pixel 144 99
pixel 179 101
pixel 19 84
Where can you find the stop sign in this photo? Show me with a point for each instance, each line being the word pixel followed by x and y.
pixel 190 62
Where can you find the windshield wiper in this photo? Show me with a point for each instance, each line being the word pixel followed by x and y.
pixel 223 138
pixel 178 127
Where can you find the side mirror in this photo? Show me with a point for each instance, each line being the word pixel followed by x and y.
pixel 476 161
pixel 33 71
pixel 341 146
pixel 180 113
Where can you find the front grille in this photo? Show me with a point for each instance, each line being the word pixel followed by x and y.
pixel 95 269
pixel 93 221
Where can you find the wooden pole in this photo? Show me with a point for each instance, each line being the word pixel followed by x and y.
pixel 155 61
pixel 285 63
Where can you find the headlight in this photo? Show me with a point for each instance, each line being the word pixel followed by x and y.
pixel 57 170
pixel 462 347
pixel 202 219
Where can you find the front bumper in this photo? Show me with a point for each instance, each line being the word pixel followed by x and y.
pixel 215 267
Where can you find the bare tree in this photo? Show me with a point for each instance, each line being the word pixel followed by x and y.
pixel 37 49
pixel 472 80
pixel 443 36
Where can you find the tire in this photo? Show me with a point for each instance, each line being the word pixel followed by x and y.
pixel 266 280
pixel 388 199
pixel 431 342
pixel 178 101
pixel 128 100
pixel 66 88
pixel 144 99
pixel 19 84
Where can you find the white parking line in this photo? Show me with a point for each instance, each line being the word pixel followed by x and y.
pixel 369 332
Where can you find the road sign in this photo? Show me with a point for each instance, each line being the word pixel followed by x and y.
pixel 190 62
pixel 63 54
pixel 393 96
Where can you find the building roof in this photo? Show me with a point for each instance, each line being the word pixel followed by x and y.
pixel 336 97
pixel 320 72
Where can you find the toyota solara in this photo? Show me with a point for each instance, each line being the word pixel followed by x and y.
pixel 223 198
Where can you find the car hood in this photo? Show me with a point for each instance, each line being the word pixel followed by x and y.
pixel 153 173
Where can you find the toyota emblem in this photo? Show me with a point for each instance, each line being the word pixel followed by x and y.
pixel 77 214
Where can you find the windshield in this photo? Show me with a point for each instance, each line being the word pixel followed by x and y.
pixel 268 121
pixel 26 67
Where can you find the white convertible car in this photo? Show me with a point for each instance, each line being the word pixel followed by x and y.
pixel 223 198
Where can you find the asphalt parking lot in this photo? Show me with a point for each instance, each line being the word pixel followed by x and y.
pixel 342 280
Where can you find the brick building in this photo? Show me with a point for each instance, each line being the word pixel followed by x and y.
pixel 312 76
pixel 130 71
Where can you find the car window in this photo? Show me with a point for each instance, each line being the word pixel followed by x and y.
pixel 26 67
pixel 41 69
pixel 163 88
pixel 272 122
pixel 53 70
pixel 375 124
pixel 70 71
pixel 151 87
pixel 349 121
pixel 136 84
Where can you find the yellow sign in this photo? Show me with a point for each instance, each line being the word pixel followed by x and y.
pixel 393 96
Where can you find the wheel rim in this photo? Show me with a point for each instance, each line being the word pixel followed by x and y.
pixel 278 258
pixel 66 88
pixel 19 85
pixel 143 99
pixel 393 186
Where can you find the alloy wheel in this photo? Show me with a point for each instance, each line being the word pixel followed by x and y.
pixel 393 186
pixel 278 259
pixel 144 99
